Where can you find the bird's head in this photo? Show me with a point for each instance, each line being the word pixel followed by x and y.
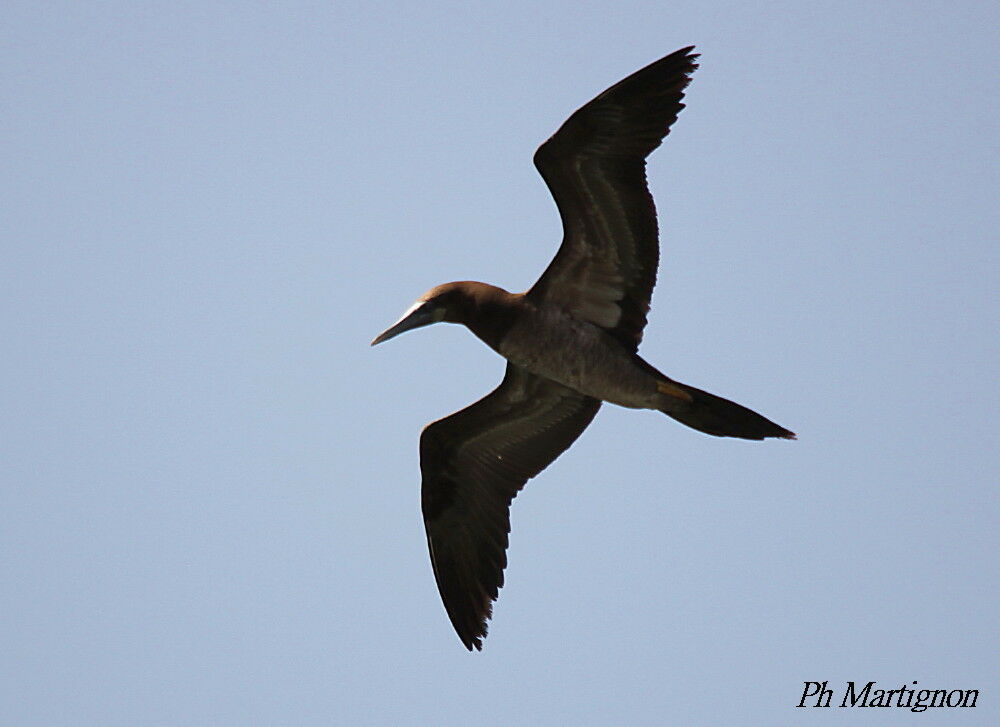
pixel 443 303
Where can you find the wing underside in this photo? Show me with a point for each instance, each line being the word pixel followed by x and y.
pixel 473 464
pixel 594 165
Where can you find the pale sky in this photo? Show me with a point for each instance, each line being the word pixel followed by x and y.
pixel 210 510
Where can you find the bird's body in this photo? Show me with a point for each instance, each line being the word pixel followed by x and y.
pixel 570 341
pixel 579 355
pixel 547 341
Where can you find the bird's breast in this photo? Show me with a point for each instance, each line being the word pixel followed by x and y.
pixel 551 343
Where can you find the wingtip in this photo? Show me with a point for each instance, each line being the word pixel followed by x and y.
pixel 474 642
pixel 473 639
pixel 688 54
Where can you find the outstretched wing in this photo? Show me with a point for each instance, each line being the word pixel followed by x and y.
pixel 473 463
pixel 595 168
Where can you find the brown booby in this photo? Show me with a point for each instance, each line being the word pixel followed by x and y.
pixel 570 341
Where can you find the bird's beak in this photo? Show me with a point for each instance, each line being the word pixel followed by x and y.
pixel 421 314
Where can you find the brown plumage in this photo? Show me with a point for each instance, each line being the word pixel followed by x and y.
pixel 570 341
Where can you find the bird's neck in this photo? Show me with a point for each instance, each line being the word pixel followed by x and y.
pixel 488 311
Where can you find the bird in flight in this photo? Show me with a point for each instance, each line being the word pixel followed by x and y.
pixel 571 341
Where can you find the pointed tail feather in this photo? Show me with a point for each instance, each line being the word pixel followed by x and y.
pixel 719 417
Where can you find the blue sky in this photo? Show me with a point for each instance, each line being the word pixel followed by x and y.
pixel 209 511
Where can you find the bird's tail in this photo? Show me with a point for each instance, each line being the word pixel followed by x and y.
pixel 714 415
